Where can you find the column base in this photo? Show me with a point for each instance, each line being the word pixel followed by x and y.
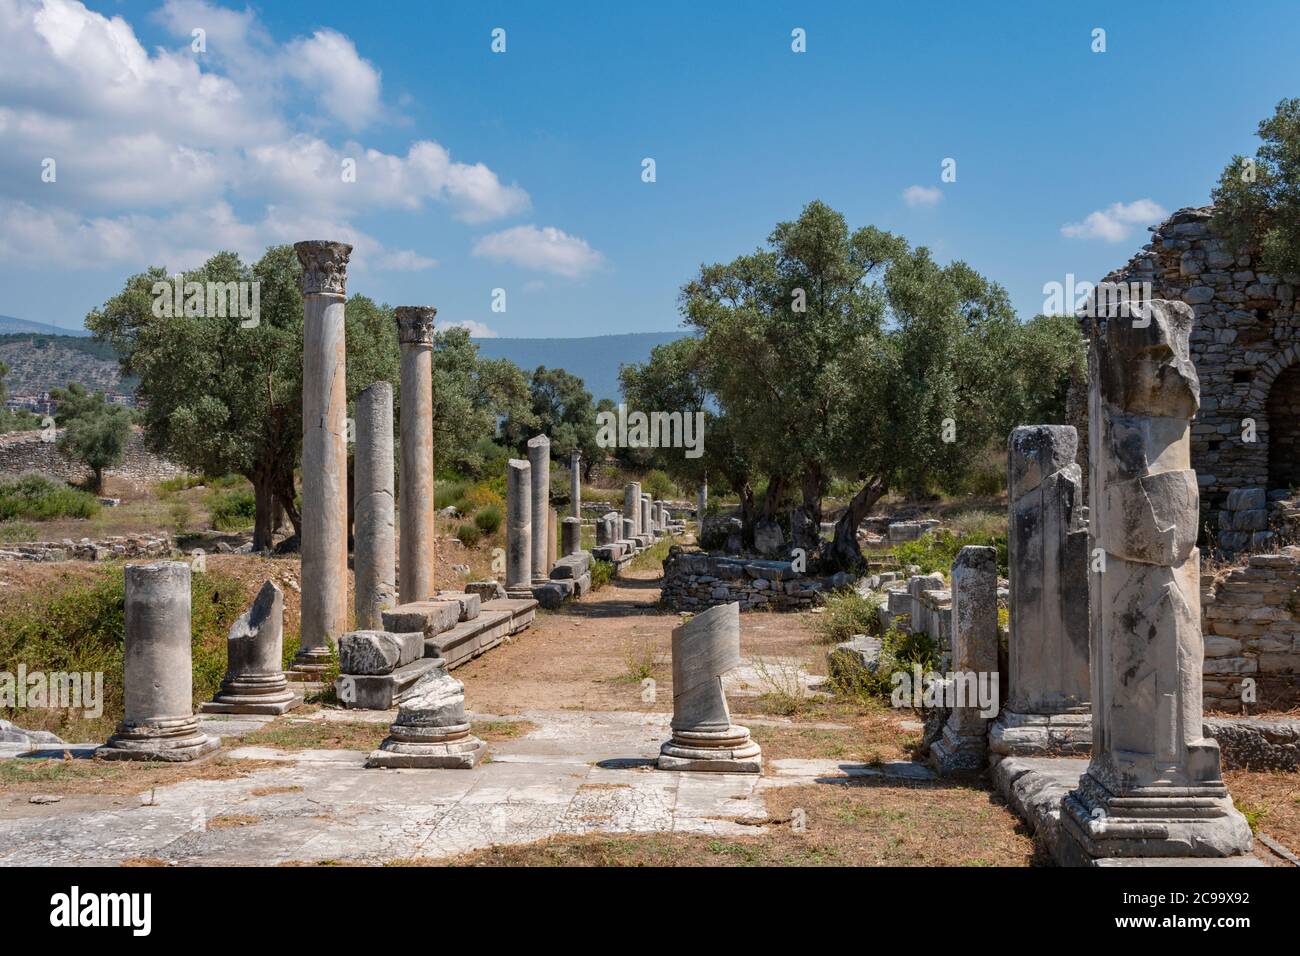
pixel 1041 735
pixel 727 751
pixel 267 696
pixel 172 740
pixel 1196 821
pixel 429 748
pixel 309 664
pixel 957 753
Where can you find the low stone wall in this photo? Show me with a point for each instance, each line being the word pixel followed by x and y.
pixel 26 452
pixel 107 549
pixel 1251 622
pixel 694 581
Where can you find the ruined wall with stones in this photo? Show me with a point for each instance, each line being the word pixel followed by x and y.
pixel 694 581
pixel 1250 617
pixel 1246 339
pixel 26 453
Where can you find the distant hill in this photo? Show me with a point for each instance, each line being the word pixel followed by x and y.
pixel 10 324
pixel 595 360
pixel 38 363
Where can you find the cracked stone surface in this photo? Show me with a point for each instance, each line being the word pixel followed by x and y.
pixel 576 772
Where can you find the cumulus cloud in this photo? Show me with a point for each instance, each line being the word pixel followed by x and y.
pixel 1116 221
pixel 916 196
pixel 546 250
pixel 165 155
pixel 477 330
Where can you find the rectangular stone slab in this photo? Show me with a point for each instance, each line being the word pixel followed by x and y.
pixel 469 602
pixel 522 610
pixel 430 617
pixel 381 691
pixel 572 566
pixel 469 639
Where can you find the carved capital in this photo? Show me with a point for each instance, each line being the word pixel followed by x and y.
pixel 324 266
pixel 415 324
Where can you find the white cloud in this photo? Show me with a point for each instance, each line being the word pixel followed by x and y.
pixel 545 250
pixel 916 196
pixel 477 330
pixel 1116 221
pixel 166 154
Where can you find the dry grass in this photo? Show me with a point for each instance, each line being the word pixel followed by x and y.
pixel 317 735
pixel 1271 801
pixel 68 777
pixel 232 821
pixel 493 730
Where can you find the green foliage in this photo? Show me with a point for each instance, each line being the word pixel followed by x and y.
pixel 561 408
pixel 936 551
pixel 488 519
pixel 1257 208
pixel 232 510
pixel 847 613
pixel 469 535
pixel 95 431
pixel 449 494
pixel 602 572
pixel 37 498
pixel 900 651
pixel 658 485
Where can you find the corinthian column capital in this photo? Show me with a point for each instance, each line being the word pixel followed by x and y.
pixel 324 266
pixel 415 324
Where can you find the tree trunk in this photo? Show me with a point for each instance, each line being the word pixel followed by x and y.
pixel 806 518
pixel 264 520
pixel 843 552
pixel 284 494
pixel 98 479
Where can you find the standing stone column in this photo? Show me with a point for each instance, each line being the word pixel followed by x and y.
pixel 324 453
pixel 539 458
pixel 373 555
pixel 552 538
pixel 704 738
pixel 647 522
pixel 575 483
pixel 519 528
pixel 254 682
pixel 1153 787
pixel 416 511
pixel 963 748
pixel 632 505
pixel 158 722
pixel 702 500
pixel 1047 703
pixel 570 536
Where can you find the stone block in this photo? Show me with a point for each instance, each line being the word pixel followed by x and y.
pixel 469 602
pixel 378 652
pixel 429 617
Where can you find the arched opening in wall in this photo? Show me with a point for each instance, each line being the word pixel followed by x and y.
pixel 1284 430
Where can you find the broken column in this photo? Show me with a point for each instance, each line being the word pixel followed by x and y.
pixel 1047 702
pixel 539 459
pixel 432 729
pixel 416 510
pixel 704 738
pixel 373 555
pixel 519 528
pixel 158 721
pixel 571 536
pixel 963 747
pixel 324 612
pixel 255 682
pixel 647 522
pixel 575 483
pixel 632 506
pixel 1153 787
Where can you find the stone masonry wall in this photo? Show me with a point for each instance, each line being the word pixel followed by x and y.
pixel 26 452
pixel 695 581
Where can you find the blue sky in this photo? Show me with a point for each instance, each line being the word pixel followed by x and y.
pixel 526 165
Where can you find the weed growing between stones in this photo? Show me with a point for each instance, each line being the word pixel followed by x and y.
pixel 847 614
pixel 900 650
pixel 601 573
pixel 936 551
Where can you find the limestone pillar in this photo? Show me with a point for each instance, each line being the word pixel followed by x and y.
pixel 519 527
pixel 629 529
pixel 158 721
pixel 1047 702
pixel 647 522
pixel 963 747
pixel 324 453
pixel 552 538
pixel 255 682
pixel 575 483
pixel 416 511
pixel 570 536
pixel 704 738
pixel 702 500
pixel 632 505
pixel 373 554
pixel 1153 787
pixel 539 458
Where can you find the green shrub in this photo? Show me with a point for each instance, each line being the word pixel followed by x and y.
pixel 900 651
pixel 37 498
pixel 469 535
pixel 936 551
pixel 232 510
pixel 847 613
pixel 449 494
pixel 488 519
pixel 601 573
pixel 658 485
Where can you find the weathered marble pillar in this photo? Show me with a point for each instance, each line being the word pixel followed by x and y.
pixel 552 538
pixel 416 511
pixel 254 682
pixel 963 747
pixel 575 483
pixel 158 721
pixel 704 738
pixel 324 453
pixel 432 729
pixel 632 505
pixel 647 522
pixel 539 458
pixel 373 554
pixel 519 527
pixel 1153 787
pixel 1047 708
pixel 702 500
pixel 570 536
pixel 629 529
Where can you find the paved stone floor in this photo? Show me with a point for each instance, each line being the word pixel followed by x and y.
pixel 575 772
